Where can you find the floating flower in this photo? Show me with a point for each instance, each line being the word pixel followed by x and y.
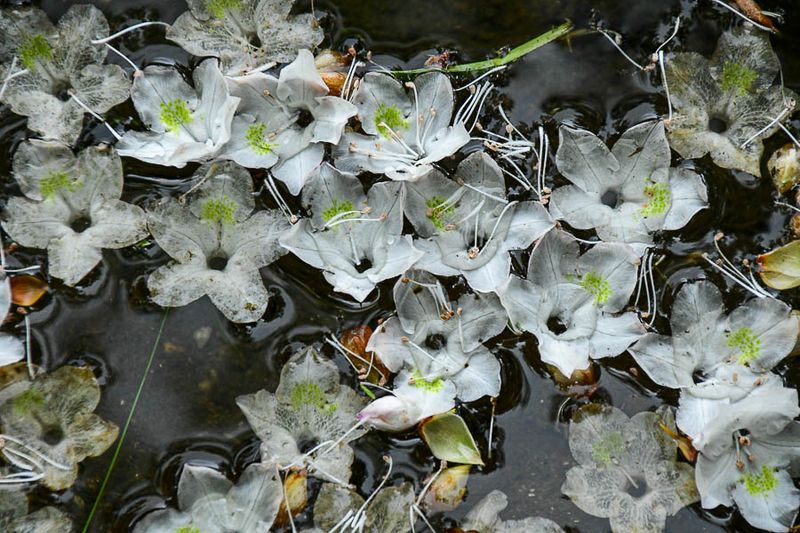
pixel 185 123
pixel 573 302
pixel 354 238
pixel 48 423
pixel 484 517
pixel 14 516
pixel 627 193
pixel 218 244
pixel 285 122
pixel 245 35
pixel 725 106
pixel 403 134
pixel 757 335
pixel 627 469
pixel 11 349
pixel 468 226
pixel 52 72
pixel 746 442
pixel 72 207
pixel 440 345
pixel 308 407
pixel 209 502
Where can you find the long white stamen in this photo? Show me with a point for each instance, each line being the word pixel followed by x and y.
pixel 379 387
pixel 11 75
pixel 496 224
pixel 36 452
pixel 734 276
pixel 486 194
pixel 482 76
pixel 613 41
pixel 397 137
pixel 359 219
pixel 491 426
pixel 343 522
pixel 301 460
pixel 475 210
pixel 429 483
pixel 272 187
pixel 654 309
pixel 330 476
pixel 742 15
pixel 789 133
pixel 416 112
pixel 760 132
pixel 783 204
pixel 663 69
pixel 388 459
pixel 95 115
pixel 28 360
pixel 124 57
pixel 349 80
pixel 424 518
pixel 339 216
pixel 544 152
pixel 130 29
pixel 344 436
pixel 385 156
pixel 519 178
pixel 674 33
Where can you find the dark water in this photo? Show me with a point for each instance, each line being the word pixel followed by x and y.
pixel 187 411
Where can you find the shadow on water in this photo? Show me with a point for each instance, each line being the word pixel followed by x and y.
pixel 188 410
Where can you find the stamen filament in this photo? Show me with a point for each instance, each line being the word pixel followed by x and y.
pixel 128 30
pixel 496 224
pixel 95 115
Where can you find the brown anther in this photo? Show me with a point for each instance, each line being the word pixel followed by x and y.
pixel 449 227
pixel 744 441
pixel 367 210
pixel 634 371
pixel 740 464
pixel 459 311
pixel 429 212
pixel 383 216
pixel 751 457
pixel 758 382
pixel 404 339
pixel 719 236
pixel 405 279
pixel 473 252
pixel 735 377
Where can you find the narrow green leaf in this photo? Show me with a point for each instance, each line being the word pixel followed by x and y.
pixel 449 439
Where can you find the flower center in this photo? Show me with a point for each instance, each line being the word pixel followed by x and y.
pixel 337 208
pixel 717 124
pixel 52 435
pixel 610 198
pixel 175 114
pixel 217 262
pixel 437 210
pixel 304 118
pixel 428 386
pixel 639 489
pixel 435 341
pixel 33 49
pixel 363 266
pixel 81 223
pixel 556 325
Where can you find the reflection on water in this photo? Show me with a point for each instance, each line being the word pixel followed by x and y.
pixel 188 412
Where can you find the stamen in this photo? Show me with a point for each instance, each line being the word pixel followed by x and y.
pixel 484 193
pixel 482 76
pixel 666 84
pixel 613 41
pixel 212 169
pixel 381 218
pixel 28 360
pixel 343 214
pixel 472 213
pixel 491 426
pixel 301 461
pixel 399 139
pixel 130 29
pixel 416 111
pixel 33 268
pixel 11 75
pixel 344 436
pixel 781 115
pixel 674 33
pixel 780 125
pixel 496 224
pixel 727 268
pixel 783 204
pixel 124 57
pixel 36 452
pixel 276 195
pixel 95 115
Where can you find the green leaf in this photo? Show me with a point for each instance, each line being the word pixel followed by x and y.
pixel 449 439
pixel 780 268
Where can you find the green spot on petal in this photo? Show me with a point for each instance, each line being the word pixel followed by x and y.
pixel 33 49
pixel 27 401
pixel 309 394
pixel 57 181
pixel 605 449
pixel 658 200
pixel 437 211
pixel 175 114
pixel 737 77
pixel 338 208
pixel 219 210
pixel 389 118
pixel 760 483
pixel 428 386
pixel 257 140
pixel 597 286
pixel 748 344
pixel 187 529
pixel 217 7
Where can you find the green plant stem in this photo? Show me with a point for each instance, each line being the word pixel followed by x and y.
pixel 121 440
pixel 511 56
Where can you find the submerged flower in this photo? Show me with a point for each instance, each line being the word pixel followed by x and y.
pixel 484 517
pixel 757 335
pixel 387 510
pixel 11 349
pixel 726 105
pixel 627 469
pixel 185 123
pixel 355 239
pixel 72 207
pixel 49 423
pixel 52 70
pixel 244 34
pixel 440 345
pixel 573 302
pixel 218 244
pixel 15 518
pixel 468 226
pixel 404 132
pixel 626 193
pixel 209 502
pixel 309 408
pixel 285 122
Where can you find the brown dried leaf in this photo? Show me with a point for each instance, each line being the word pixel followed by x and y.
pixel 296 487
pixel 683 442
pixel 356 340
pixel 448 490
pixel 27 290
pixel 334 81
pixel 754 12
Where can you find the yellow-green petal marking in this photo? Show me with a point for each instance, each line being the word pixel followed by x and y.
pixel 257 139
pixel 175 114
pixel 56 181
pixel 310 394
pixel 219 210
pixel 748 344
pixel 658 200
pixel 760 483
pixel 388 119
pixel 597 286
pixel 437 211
pixel 604 450
pixel 738 77
pixel 427 385
pixel 217 7
pixel 35 48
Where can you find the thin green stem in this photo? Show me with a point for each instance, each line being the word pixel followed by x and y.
pixel 511 56
pixel 121 440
